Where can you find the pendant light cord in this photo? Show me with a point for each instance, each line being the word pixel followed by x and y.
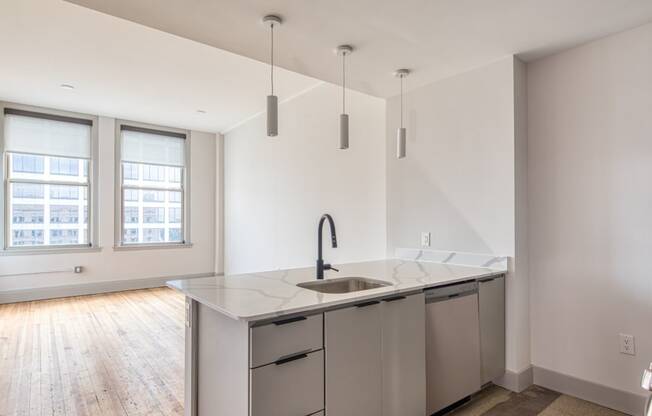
pixel 402 101
pixel 343 82
pixel 272 57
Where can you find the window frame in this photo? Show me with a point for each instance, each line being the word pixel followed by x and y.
pixel 119 187
pixel 93 226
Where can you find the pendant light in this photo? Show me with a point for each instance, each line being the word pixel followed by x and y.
pixel 272 100
pixel 401 132
pixel 344 50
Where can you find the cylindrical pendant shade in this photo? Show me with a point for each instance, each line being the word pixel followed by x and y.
pixel 344 131
pixel 272 115
pixel 400 142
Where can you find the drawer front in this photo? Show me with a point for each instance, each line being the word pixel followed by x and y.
pixel 270 342
pixel 292 388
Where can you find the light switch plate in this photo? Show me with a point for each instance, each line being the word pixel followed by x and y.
pixel 425 239
pixel 627 344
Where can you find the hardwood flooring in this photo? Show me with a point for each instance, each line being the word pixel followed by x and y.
pixel 121 354
pixel 110 354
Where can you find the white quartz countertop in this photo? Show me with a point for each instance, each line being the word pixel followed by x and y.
pixel 265 295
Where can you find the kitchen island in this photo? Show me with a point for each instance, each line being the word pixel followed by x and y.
pixel 258 344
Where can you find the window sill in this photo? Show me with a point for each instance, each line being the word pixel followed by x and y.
pixel 137 247
pixel 44 250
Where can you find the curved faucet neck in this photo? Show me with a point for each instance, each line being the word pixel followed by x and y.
pixel 320 260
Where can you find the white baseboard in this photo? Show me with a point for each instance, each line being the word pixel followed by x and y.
pixel 25 295
pixel 623 401
pixel 516 381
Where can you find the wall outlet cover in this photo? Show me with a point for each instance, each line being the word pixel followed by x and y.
pixel 627 344
pixel 425 239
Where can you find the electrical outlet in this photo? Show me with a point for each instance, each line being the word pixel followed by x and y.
pixel 627 344
pixel 78 269
pixel 425 239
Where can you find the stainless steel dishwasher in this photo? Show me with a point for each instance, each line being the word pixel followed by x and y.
pixel 452 345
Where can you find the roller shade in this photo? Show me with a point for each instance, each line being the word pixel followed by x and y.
pixel 152 147
pixel 28 132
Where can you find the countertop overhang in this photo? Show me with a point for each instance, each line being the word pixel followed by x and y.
pixel 260 296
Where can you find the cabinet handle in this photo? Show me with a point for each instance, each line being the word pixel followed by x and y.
pixel 394 298
pixel 362 305
pixel 487 280
pixel 290 359
pixel 290 320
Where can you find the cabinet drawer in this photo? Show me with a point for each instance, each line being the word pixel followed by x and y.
pixel 292 388
pixel 285 337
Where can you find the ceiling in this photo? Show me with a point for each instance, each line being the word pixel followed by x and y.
pixel 189 55
pixel 125 70
pixel 435 38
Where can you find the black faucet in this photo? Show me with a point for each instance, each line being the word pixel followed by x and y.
pixel 320 261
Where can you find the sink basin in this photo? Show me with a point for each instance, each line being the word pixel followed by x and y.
pixel 343 285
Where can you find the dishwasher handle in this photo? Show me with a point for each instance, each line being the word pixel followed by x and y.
pixel 454 291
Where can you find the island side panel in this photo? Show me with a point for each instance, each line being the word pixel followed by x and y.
pixel 190 367
pixel 222 370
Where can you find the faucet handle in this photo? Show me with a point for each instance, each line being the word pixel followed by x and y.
pixel 329 267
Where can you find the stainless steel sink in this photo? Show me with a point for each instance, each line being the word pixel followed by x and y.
pixel 343 285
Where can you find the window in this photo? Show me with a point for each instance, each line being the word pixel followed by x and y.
pixel 27 214
pixel 152 190
pixel 67 236
pixel 47 160
pixel 131 215
pixel 64 214
pixel 131 194
pixel 64 192
pixel 153 215
pixel 130 171
pixel 175 215
pixel 64 166
pixel 27 237
pixel 27 163
pixel 28 191
pixel 154 235
pixel 131 235
pixel 153 196
pixel 154 173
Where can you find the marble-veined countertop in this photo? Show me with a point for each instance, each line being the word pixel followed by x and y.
pixel 258 296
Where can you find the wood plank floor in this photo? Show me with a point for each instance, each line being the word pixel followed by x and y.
pixel 110 354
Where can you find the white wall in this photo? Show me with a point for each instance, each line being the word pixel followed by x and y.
pixel 590 205
pixel 276 189
pixel 458 180
pixel 109 265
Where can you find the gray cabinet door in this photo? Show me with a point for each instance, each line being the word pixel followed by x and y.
pixel 353 361
pixel 492 328
pixel 404 355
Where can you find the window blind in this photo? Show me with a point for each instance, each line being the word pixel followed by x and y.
pixel 26 132
pixel 152 147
